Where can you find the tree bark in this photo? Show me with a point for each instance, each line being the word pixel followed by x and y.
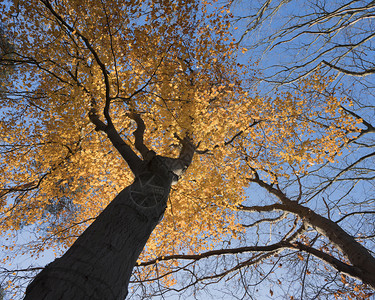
pixel 361 259
pixel 100 262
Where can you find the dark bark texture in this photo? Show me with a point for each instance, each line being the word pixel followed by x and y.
pixel 100 263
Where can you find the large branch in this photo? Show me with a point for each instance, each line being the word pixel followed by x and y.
pixel 342 267
pixel 349 270
pixel 138 135
pixel 348 72
pixel 267 248
pixel 357 254
pixel 369 129
pixel 260 208
pixel 131 158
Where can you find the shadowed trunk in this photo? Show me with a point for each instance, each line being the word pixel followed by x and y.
pixel 100 262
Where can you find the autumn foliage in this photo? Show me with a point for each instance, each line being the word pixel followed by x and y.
pixel 177 63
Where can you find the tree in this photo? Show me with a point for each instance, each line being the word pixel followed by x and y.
pixel 150 59
pixel 332 37
pixel 101 260
pixel 306 218
pixel 290 29
pixel 175 64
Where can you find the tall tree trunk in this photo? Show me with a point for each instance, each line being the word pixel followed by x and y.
pixel 99 264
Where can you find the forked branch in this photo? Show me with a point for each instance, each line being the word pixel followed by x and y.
pixel 138 135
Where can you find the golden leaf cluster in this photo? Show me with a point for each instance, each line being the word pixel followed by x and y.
pixel 175 62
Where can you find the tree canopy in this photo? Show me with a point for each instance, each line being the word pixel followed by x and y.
pixel 181 65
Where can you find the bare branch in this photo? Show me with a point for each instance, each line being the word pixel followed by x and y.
pixel 268 248
pixel 93 52
pixel 351 73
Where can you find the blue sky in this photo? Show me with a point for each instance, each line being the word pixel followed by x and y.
pixel 276 59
